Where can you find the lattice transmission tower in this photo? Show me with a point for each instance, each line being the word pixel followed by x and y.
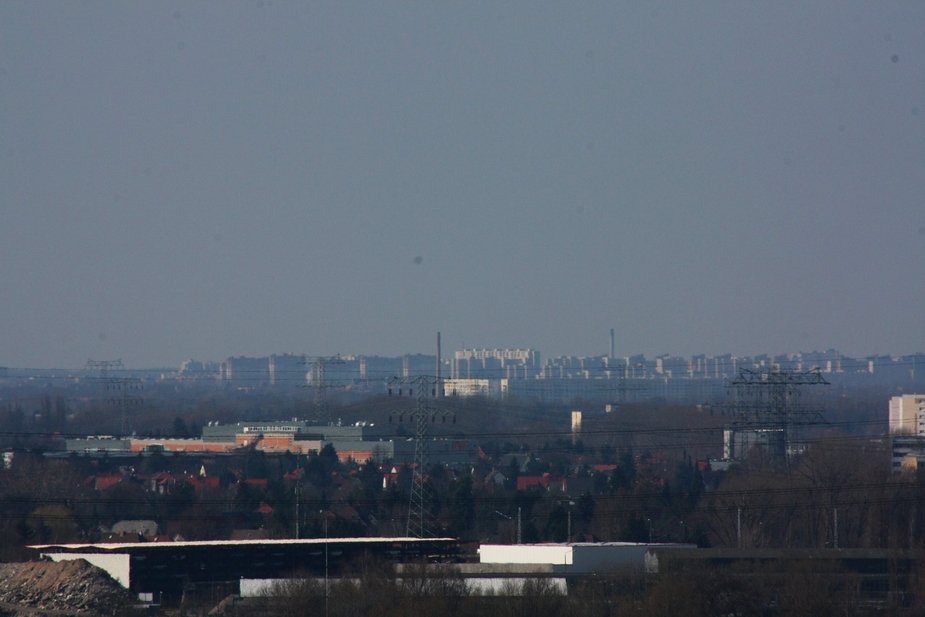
pixel 768 399
pixel 320 384
pixel 620 373
pixel 110 386
pixel 120 389
pixel 104 366
pixel 420 515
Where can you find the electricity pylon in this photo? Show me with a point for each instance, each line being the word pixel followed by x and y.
pixel 109 384
pixel 103 366
pixel 420 519
pixel 768 399
pixel 319 383
pixel 622 386
pixel 125 400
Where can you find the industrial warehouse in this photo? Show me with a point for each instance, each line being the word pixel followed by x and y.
pixel 359 442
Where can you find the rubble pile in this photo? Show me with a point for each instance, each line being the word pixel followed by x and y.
pixel 73 586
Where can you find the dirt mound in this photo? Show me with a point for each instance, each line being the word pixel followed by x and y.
pixel 70 586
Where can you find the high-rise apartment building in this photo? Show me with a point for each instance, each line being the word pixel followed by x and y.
pixel 287 370
pixel 243 371
pixel 496 364
pixel 904 414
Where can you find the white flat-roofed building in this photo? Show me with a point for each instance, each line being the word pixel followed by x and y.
pixel 575 558
pixel 472 387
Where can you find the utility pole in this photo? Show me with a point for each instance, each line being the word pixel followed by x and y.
pixel 519 536
pixel 738 527
pixel 298 495
pixel 419 518
pixel 911 528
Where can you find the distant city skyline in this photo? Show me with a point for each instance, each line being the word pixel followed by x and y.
pixel 530 355
pixel 499 373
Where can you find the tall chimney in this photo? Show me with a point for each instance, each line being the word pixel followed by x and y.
pixel 612 349
pixel 439 386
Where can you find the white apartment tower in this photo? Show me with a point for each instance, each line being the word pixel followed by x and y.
pixel 496 364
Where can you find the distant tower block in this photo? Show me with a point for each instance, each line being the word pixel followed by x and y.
pixel 905 413
pixel 576 426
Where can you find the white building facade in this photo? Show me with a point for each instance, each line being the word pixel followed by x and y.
pixel 905 412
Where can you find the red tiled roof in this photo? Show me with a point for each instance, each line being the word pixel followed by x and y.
pixel 106 480
pixel 265 508
pixel 201 483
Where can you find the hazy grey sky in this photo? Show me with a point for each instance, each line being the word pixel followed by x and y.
pixel 205 179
